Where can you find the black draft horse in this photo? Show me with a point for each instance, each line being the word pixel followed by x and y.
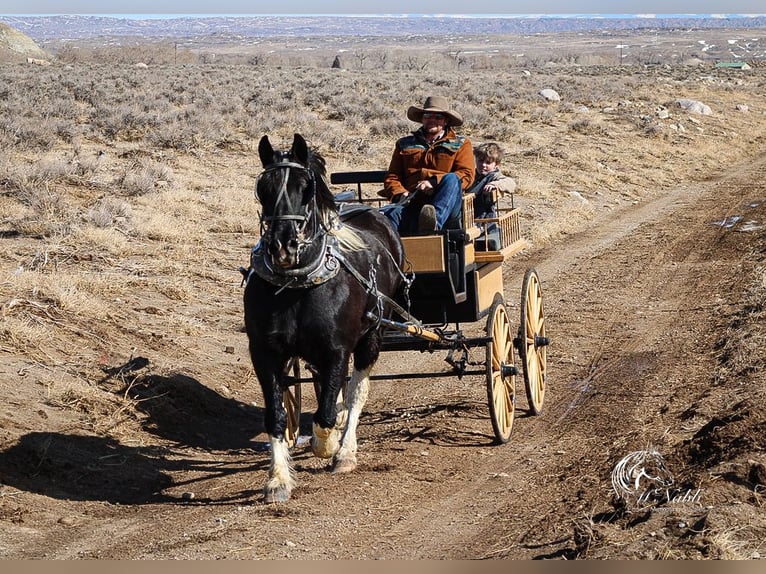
pixel 313 278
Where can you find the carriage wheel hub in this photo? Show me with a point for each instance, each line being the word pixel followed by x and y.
pixel 508 371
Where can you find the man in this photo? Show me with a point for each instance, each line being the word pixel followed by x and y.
pixel 429 170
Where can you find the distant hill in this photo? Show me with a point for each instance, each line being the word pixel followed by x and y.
pixel 45 28
pixel 16 45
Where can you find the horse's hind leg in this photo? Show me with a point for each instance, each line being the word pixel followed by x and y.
pixel 356 397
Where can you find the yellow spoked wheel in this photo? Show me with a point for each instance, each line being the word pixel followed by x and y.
pixel 532 341
pixel 291 400
pixel 501 374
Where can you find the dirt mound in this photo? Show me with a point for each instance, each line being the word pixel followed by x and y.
pixel 738 430
pixel 17 44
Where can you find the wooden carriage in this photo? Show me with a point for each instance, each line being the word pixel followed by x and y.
pixel 459 279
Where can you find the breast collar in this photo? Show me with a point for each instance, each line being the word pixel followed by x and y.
pixel 320 270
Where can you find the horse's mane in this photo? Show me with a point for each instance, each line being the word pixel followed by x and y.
pixel 318 166
pixel 326 206
pixel 347 237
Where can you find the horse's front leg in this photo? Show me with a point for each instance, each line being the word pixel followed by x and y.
pixel 356 397
pixel 281 481
pixel 366 355
pixel 330 417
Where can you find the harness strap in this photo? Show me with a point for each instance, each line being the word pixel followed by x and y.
pixel 317 273
pixel 300 222
pixel 373 290
pixel 281 164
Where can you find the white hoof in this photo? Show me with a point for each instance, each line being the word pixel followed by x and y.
pixel 278 494
pixel 325 442
pixel 344 465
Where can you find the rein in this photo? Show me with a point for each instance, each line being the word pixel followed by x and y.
pixel 372 288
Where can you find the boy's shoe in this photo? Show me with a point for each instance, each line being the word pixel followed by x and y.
pixel 427 218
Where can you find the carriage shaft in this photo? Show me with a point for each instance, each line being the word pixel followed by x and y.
pixel 410 328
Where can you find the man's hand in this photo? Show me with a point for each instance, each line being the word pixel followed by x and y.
pixel 425 186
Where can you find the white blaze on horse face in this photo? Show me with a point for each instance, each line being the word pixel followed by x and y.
pixel 283 257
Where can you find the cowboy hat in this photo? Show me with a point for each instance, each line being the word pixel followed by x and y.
pixel 436 105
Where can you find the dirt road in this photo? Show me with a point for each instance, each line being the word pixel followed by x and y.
pixel 643 309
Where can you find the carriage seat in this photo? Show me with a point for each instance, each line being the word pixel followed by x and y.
pixel 487 239
pixel 465 221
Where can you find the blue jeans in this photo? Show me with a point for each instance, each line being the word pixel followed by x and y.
pixel 447 200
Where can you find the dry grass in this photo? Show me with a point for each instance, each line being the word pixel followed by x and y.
pixel 742 348
pixel 730 544
pixel 123 184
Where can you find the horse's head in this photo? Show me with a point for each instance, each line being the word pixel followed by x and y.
pixel 295 199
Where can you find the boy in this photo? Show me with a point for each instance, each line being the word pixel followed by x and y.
pixel 489 180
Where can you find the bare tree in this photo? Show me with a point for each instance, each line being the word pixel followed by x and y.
pixel 382 57
pixel 257 60
pixel 414 63
pixel 361 58
pixel 69 54
pixel 459 58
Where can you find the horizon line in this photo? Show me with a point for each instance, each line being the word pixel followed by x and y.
pixel 594 15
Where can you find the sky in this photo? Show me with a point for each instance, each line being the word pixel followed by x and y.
pixel 382 7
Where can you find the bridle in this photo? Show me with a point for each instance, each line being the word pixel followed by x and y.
pixel 329 258
pixel 324 266
pixel 299 221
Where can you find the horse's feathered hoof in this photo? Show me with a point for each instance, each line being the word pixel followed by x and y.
pixel 272 495
pixel 343 465
pixel 325 442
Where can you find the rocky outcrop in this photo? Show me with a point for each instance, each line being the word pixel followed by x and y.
pixel 13 42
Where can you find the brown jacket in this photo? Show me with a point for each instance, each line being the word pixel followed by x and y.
pixel 414 160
